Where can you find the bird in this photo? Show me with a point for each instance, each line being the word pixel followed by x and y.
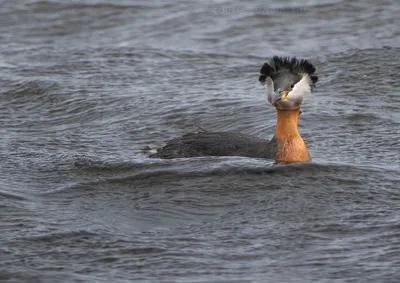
pixel 287 81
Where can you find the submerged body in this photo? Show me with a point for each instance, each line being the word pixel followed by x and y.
pixel 287 81
pixel 217 144
pixel 286 145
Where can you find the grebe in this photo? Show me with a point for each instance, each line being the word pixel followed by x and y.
pixel 287 81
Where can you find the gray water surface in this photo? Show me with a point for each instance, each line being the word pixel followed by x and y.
pixel 84 85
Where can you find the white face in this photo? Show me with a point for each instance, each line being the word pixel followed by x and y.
pixel 290 98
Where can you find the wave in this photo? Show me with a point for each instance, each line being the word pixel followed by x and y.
pixel 148 173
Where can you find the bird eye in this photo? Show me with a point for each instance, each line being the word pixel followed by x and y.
pixel 292 86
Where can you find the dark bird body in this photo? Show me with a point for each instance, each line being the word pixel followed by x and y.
pixel 217 144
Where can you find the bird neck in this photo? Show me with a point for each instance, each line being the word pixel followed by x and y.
pixel 291 147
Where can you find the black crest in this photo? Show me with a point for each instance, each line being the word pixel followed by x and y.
pixel 279 65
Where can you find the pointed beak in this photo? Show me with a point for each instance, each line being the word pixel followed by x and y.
pixel 284 94
pixel 280 96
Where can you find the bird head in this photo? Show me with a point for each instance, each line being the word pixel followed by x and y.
pixel 287 81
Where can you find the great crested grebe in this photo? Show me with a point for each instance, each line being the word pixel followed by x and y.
pixel 287 81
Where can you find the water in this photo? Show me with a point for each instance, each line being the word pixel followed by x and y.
pixel 84 85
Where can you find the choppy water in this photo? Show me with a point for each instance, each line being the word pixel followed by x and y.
pixel 84 85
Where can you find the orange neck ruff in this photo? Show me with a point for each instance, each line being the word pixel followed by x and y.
pixel 291 147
